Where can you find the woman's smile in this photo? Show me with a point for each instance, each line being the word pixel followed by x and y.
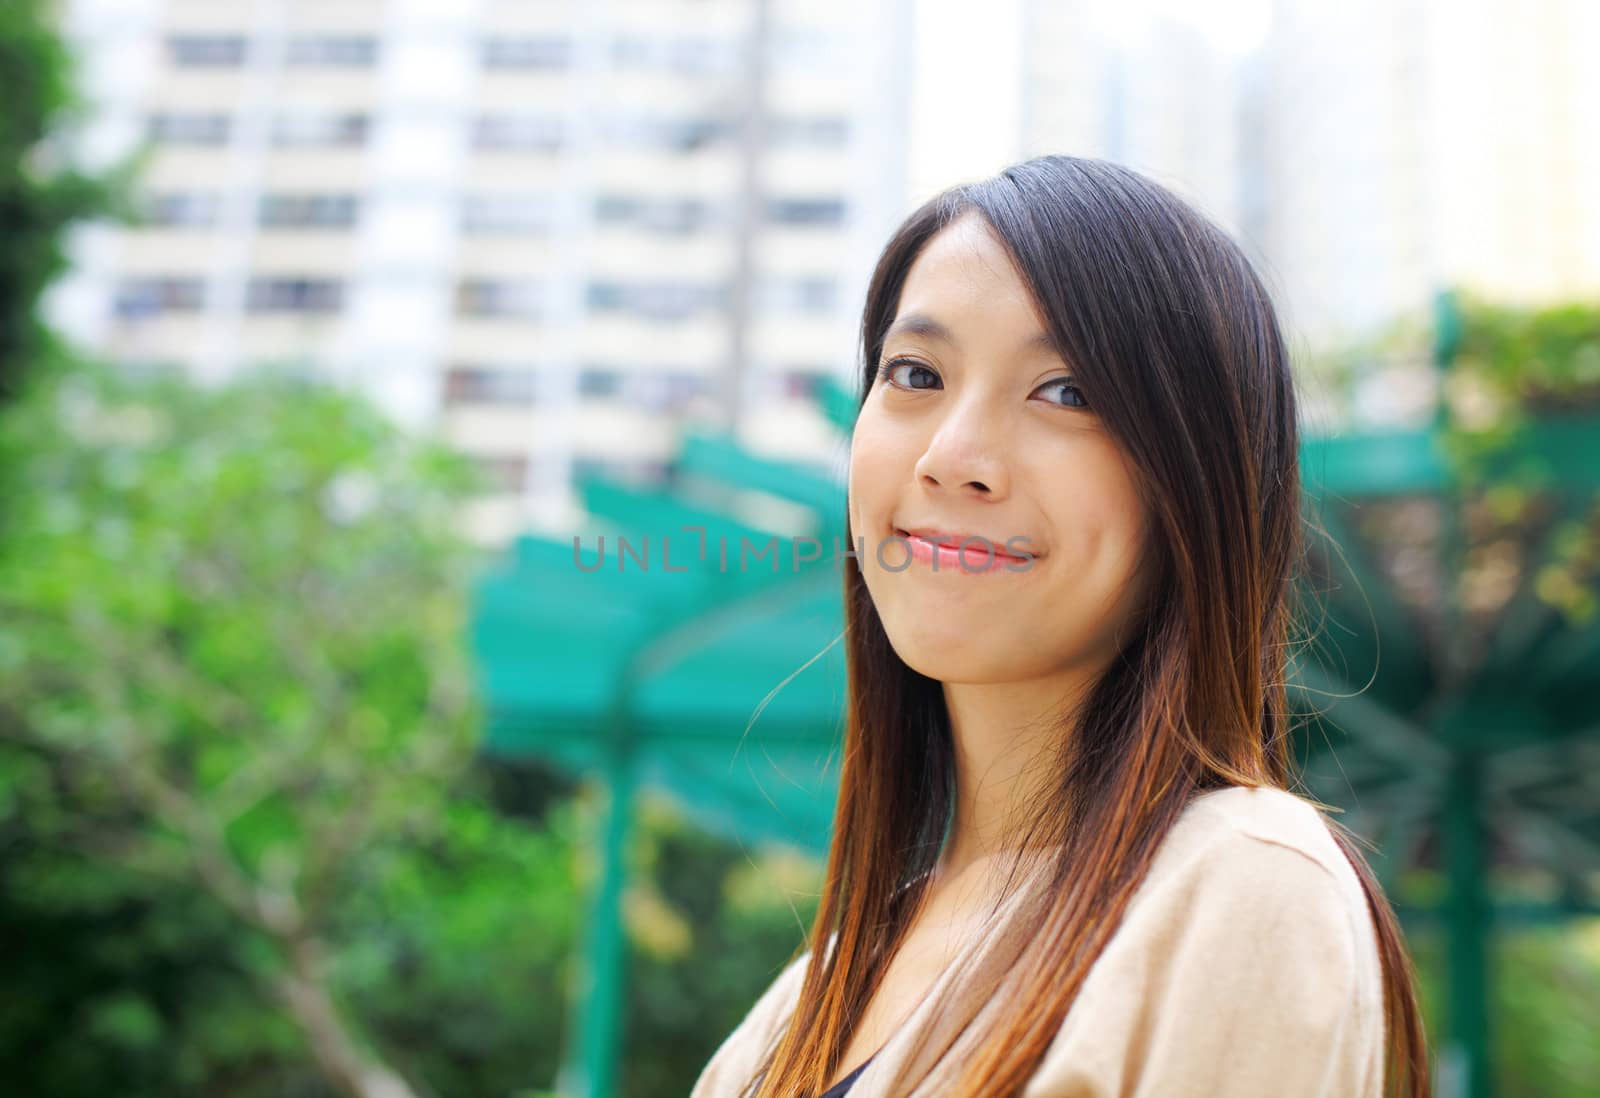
pixel 965 554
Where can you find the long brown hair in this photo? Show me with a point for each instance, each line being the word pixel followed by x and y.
pixel 1174 340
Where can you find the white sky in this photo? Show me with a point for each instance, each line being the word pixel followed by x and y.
pixel 1233 26
pixel 966 108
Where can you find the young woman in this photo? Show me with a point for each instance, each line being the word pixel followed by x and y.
pixel 1066 860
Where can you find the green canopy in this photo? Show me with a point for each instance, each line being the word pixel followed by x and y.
pixel 702 648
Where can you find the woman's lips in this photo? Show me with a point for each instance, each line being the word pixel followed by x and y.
pixel 969 554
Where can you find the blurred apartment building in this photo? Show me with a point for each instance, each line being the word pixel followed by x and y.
pixel 1366 152
pixel 1150 90
pixel 1412 144
pixel 553 231
pixel 558 230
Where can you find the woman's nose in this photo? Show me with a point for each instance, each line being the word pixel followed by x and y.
pixel 967 452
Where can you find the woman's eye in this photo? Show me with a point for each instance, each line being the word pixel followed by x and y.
pixel 888 370
pixel 1072 395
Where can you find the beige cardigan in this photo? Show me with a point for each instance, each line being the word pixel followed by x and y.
pixel 1246 966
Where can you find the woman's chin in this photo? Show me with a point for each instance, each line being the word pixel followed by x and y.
pixel 951 659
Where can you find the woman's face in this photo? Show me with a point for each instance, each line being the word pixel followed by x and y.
pixel 978 430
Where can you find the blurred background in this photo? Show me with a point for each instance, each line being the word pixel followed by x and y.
pixel 338 340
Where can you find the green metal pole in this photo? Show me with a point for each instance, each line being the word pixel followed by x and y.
pixel 602 989
pixel 1469 916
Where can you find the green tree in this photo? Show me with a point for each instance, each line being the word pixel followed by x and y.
pixel 1517 547
pixel 711 924
pixel 40 193
pixel 1514 371
pixel 237 713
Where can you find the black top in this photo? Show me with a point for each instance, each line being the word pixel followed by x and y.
pixel 838 1089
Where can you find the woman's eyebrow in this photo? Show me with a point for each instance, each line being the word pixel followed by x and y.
pixel 921 324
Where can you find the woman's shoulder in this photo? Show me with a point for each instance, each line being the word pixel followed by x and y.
pixel 1258 823
pixel 1249 921
pixel 1255 874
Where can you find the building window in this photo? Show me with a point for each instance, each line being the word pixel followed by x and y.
pixel 333 51
pixel 319 130
pixel 309 211
pixel 822 132
pixel 795 294
pixel 806 211
pixel 294 295
pixel 812 50
pixel 679 135
pixel 207 50
pixel 682 56
pixel 189 129
pixel 182 209
pixel 484 385
pixel 505 472
pixel 662 390
pixel 655 300
pixel 491 297
pixel 517 133
pixel 527 53
pixel 803 384
pixel 599 383
pixel 138 298
pixel 511 214
pixel 682 388
pixel 639 472
pixel 677 216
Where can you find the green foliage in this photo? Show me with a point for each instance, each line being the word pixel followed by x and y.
pixel 235 714
pixel 1546 1009
pixel 40 195
pixel 1512 366
pixel 746 915
pixel 1511 377
pixel 125 976
pixel 1542 358
pixel 247 837
pixel 457 953
pixel 1517 534
pixel 1515 372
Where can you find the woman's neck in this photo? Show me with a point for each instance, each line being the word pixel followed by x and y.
pixel 1007 740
